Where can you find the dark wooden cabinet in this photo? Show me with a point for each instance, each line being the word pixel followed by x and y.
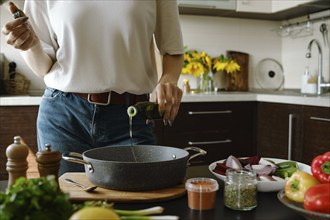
pixel 16 121
pixel 301 131
pixel 316 135
pixel 279 126
pixel 220 128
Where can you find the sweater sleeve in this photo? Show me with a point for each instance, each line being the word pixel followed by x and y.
pixel 39 20
pixel 168 33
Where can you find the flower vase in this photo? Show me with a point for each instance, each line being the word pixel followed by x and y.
pixel 206 82
pixel 219 81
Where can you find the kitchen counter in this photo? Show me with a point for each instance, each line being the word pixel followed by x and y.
pixel 285 97
pixel 269 207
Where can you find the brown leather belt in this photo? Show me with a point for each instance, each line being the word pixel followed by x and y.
pixel 113 98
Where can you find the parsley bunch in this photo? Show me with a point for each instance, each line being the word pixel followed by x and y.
pixel 35 199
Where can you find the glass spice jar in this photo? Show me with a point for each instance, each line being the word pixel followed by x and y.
pixel 240 190
pixel 201 193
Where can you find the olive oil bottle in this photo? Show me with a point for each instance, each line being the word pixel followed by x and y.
pixel 150 110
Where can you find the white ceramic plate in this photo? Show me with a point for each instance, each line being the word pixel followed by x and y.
pixel 299 208
pixel 264 186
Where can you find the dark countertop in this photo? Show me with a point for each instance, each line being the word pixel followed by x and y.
pixel 269 207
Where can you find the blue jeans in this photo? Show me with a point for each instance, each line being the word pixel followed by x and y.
pixel 70 123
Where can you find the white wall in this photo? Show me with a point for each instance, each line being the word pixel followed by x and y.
pixel 294 55
pixel 216 35
pixel 12 54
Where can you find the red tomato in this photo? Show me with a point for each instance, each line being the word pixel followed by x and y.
pixel 317 198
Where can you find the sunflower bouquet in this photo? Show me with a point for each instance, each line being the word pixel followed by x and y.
pixel 196 63
pixel 227 64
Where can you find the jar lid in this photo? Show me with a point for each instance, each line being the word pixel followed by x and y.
pixel 202 184
pixel 241 175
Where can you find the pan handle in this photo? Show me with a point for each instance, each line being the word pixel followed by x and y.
pixel 196 149
pixel 74 157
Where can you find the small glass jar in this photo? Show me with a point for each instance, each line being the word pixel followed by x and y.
pixel 201 193
pixel 240 190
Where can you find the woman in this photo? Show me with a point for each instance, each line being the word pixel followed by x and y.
pixel 96 59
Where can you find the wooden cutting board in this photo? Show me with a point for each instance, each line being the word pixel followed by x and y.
pixel 77 194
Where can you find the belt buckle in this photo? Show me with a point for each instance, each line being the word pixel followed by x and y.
pixel 99 103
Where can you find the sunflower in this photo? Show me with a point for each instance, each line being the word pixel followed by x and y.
pixel 225 64
pixel 196 63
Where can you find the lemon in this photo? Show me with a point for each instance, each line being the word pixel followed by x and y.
pixel 94 213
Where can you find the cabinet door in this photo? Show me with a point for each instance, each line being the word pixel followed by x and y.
pixel 279 130
pixel 280 5
pixel 216 4
pixel 222 129
pixel 316 136
pixel 264 6
pixel 16 121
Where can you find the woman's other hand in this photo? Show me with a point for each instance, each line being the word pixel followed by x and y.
pixel 19 33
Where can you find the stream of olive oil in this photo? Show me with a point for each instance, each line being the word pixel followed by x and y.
pixel 131 136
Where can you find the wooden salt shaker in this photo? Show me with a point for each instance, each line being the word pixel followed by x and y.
pixel 49 162
pixel 17 164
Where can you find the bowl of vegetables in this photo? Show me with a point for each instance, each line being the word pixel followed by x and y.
pixel 272 173
pixel 299 208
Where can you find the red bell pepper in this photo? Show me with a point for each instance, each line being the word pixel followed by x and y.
pixel 321 167
pixel 317 198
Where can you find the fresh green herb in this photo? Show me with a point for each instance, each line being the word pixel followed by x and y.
pixel 35 199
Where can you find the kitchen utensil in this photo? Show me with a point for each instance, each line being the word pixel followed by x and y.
pixel 76 194
pixel 269 74
pixel 298 207
pixel 85 188
pixel 324 31
pixel 114 167
pixel 263 186
pixel 12 70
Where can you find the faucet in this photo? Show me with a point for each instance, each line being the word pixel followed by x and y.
pixel 320 83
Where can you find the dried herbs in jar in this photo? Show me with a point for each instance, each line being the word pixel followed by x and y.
pixel 240 192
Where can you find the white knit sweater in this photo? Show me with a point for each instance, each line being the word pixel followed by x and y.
pixel 105 45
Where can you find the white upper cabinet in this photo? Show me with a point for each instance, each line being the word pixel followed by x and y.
pixel 258 6
pixel 215 4
pixel 268 6
pixel 255 9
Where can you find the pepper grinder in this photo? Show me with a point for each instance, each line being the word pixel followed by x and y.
pixel 49 162
pixel 17 164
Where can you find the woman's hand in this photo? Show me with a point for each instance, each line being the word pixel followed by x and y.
pixel 168 96
pixel 19 33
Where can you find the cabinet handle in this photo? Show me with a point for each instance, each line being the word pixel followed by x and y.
pixel 209 112
pixel 291 117
pixel 320 119
pixel 208 142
